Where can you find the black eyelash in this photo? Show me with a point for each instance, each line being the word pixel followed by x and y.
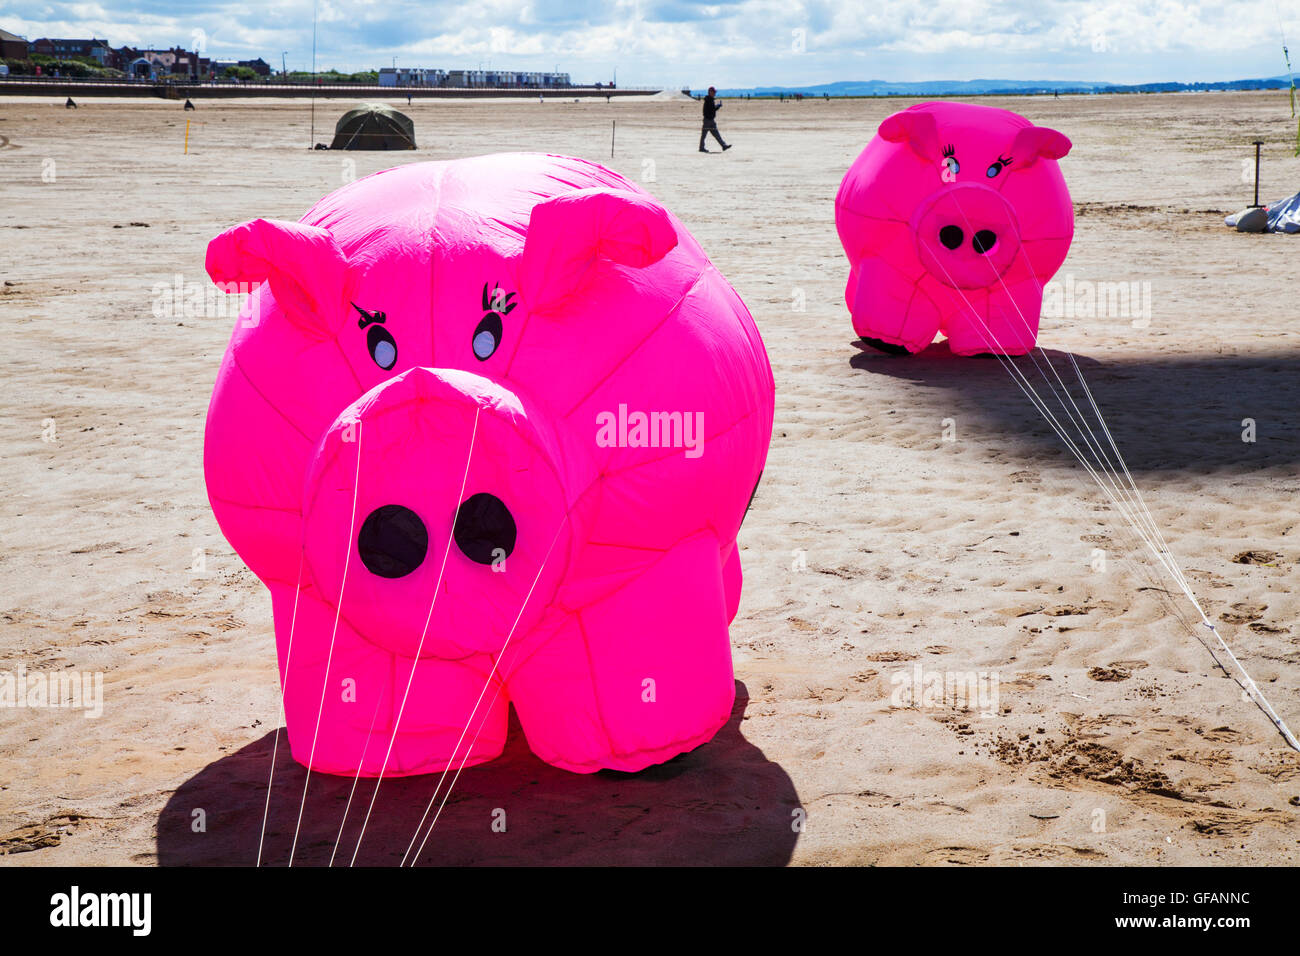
pixel 489 293
pixel 949 150
pixel 368 317
pixel 1005 162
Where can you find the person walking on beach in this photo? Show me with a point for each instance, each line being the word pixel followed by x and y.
pixel 711 107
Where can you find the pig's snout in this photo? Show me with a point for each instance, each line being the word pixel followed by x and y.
pixel 966 235
pixel 432 508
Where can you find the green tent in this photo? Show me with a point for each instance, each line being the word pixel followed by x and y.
pixel 374 126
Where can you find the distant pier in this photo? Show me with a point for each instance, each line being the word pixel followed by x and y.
pixel 52 86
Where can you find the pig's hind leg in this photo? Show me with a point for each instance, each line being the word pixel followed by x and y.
pixel 638 677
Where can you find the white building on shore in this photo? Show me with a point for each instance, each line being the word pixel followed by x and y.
pixel 460 79
pixel 411 76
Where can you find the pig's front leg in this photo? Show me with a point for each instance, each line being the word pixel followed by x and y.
pixel 341 706
pixel 891 313
pixel 1009 325
pixel 636 678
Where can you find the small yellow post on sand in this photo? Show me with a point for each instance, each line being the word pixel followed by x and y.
pixel 187 137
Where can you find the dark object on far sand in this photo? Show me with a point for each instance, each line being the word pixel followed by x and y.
pixel 888 348
pixel 70 105
pixel 374 126
pixel 189 105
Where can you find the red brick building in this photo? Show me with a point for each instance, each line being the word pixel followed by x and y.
pixel 97 50
pixel 12 47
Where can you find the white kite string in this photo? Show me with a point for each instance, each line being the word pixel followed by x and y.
pixel 284 687
pixel 329 659
pixel 495 661
pixel 365 748
pixel 1252 688
pixel 1140 511
pixel 1140 517
pixel 460 499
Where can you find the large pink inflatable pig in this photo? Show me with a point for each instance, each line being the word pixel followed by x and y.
pixel 487 430
pixel 952 219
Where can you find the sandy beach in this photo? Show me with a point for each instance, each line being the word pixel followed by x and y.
pixel 877 550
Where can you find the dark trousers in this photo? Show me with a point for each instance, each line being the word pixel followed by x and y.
pixel 710 126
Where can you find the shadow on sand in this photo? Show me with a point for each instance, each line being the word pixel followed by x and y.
pixel 722 804
pixel 1175 414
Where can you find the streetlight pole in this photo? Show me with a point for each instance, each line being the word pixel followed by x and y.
pixel 1257 144
pixel 284 70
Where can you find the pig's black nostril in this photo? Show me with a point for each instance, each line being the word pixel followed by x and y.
pixel 485 530
pixel 984 240
pixel 393 541
pixel 951 236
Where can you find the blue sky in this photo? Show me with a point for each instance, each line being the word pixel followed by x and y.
pixel 728 44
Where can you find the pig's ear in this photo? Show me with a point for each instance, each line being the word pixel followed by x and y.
pixel 304 265
pixel 570 234
pixel 917 128
pixel 1035 141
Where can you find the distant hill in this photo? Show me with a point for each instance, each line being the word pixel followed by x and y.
pixel 1002 87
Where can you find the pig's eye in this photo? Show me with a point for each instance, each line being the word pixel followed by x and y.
pixel 383 349
pixel 950 161
pixel 487 337
pixel 997 167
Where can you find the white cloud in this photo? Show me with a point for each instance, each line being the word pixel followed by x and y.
pixel 742 43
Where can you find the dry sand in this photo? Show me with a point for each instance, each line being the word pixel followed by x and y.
pixel 1117 740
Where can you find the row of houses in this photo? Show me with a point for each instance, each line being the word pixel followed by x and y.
pixel 133 61
pixel 496 79
pixel 154 64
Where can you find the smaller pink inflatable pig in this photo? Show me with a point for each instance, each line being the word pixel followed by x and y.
pixel 952 219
